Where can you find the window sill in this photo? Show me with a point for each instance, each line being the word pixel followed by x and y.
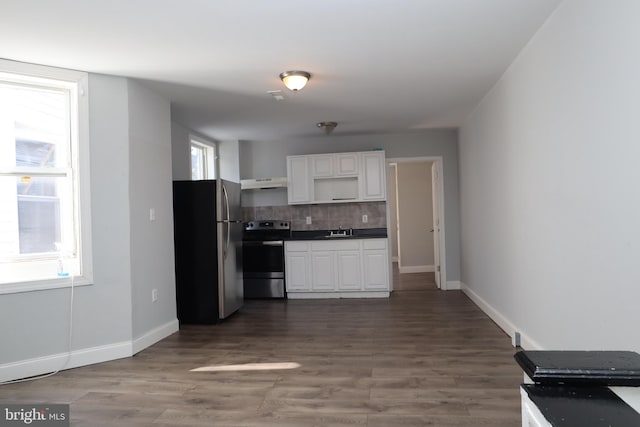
pixel 44 285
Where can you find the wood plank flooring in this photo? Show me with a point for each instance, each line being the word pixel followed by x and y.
pixel 423 357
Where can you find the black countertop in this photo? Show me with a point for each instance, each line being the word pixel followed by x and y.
pixel 604 368
pixel 570 406
pixel 358 233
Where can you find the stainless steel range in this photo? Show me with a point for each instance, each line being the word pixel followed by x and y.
pixel 263 258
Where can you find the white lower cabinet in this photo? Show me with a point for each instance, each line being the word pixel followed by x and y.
pixel 298 268
pixel 355 268
pixel 323 268
pixel 349 270
pixel 376 264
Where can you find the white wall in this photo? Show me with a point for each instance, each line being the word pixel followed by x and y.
pixel 260 159
pixel 549 179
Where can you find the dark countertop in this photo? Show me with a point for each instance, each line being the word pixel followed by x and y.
pixel 358 233
pixel 568 406
pixel 602 368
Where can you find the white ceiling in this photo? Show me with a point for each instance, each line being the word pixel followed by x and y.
pixel 378 66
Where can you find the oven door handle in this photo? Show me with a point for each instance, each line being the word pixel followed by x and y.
pixel 267 243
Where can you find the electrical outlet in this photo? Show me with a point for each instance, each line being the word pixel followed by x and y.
pixel 154 295
pixel 152 214
pixel 517 339
pixel 308 220
pixel 365 218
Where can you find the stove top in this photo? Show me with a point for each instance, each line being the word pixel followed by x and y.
pixel 266 230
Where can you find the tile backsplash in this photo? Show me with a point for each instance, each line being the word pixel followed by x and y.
pixel 323 217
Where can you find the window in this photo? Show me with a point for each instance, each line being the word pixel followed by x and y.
pixel 202 160
pixel 43 144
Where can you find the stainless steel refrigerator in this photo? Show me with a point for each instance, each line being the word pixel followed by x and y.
pixel 208 250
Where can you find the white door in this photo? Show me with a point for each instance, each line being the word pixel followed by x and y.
pixel 435 185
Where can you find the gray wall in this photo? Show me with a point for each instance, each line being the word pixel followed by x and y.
pixel 180 152
pixel 416 214
pixel 549 184
pixel 102 312
pixel 152 260
pixel 259 159
pixel 109 314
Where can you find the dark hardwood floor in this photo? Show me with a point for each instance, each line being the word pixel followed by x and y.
pixel 422 357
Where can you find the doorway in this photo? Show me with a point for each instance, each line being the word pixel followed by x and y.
pixel 415 214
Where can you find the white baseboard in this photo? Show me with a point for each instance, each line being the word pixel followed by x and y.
pixel 334 295
pixel 499 319
pixel 60 361
pixel 86 356
pixel 453 285
pixel 417 269
pixel 154 335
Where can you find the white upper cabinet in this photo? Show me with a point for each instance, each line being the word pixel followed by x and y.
pixel 336 177
pixel 373 179
pixel 347 164
pixel 299 189
pixel 322 165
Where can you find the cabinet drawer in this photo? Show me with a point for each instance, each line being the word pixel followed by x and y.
pixel 296 246
pixel 336 245
pixel 374 244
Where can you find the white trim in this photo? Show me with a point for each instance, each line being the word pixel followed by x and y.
pixel 40 285
pixel 417 269
pixel 452 285
pixel 51 363
pixel 154 335
pixel 86 356
pixel 439 161
pixel 499 319
pixel 77 83
pixel 335 295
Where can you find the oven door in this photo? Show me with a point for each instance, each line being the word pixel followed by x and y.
pixel 263 269
pixel 263 259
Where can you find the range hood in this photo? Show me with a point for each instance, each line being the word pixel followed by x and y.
pixel 262 183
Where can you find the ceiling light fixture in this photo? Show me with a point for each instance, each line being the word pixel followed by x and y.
pixel 295 80
pixel 328 127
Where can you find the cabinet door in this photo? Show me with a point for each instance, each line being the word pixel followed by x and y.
pixel 322 166
pixel 299 180
pixel 373 181
pixel 349 275
pixel 346 164
pixel 376 276
pixel 297 272
pixel 322 271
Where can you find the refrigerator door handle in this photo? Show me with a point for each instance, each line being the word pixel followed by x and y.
pixel 226 203
pixel 226 220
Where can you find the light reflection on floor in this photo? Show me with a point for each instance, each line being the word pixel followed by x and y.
pixel 248 367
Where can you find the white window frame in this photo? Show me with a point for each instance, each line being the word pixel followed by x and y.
pixel 209 149
pixel 80 264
